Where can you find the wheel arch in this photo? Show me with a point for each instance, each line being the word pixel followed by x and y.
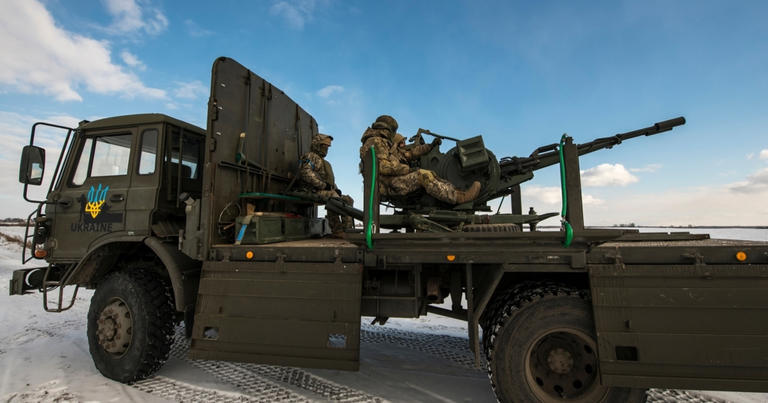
pixel 183 272
pixel 106 257
pixel 509 280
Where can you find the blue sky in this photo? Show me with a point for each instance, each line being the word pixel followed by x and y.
pixel 520 73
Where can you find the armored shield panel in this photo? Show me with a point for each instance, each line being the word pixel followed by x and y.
pixel 256 136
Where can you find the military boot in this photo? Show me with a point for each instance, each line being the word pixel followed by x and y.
pixel 469 194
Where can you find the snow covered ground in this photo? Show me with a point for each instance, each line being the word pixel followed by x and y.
pixel 44 358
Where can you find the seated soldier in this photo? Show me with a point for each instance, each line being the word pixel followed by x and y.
pixel 316 176
pixel 396 177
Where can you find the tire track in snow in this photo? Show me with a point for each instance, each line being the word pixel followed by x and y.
pixel 266 381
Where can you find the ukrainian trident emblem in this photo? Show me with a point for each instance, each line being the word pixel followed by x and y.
pixel 96 198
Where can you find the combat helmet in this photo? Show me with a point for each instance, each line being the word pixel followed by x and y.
pixel 319 140
pixel 386 122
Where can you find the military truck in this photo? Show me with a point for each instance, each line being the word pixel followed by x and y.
pixel 172 223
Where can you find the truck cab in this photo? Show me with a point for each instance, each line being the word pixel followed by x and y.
pixel 122 178
pixel 117 188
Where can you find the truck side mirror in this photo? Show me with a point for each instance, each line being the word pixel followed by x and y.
pixel 32 165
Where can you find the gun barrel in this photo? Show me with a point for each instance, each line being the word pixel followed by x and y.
pixel 669 124
pixel 339 207
pixel 548 155
pixel 608 142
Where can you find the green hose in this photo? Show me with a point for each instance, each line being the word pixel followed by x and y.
pixel 566 224
pixel 369 227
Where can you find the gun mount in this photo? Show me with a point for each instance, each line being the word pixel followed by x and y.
pixel 470 161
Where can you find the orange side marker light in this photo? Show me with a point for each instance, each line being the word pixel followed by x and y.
pixel 741 256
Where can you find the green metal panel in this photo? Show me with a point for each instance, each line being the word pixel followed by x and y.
pixel 256 136
pixel 286 313
pixel 682 326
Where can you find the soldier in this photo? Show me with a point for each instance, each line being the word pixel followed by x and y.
pixel 396 177
pixel 317 177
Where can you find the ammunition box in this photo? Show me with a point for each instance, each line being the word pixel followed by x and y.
pixel 275 227
pixel 261 229
pixel 472 153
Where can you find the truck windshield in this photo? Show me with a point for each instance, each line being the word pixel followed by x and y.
pixel 103 156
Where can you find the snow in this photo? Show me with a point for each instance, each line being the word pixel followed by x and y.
pixel 44 358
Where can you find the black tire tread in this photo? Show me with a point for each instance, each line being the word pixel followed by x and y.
pixel 159 315
pixel 511 301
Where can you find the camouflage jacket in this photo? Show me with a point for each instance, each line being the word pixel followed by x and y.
pixel 316 173
pixel 389 164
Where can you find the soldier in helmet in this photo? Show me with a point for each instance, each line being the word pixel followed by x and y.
pixel 316 176
pixel 396 177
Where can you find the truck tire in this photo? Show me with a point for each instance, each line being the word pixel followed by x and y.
pixel 542 348
pixel 130 325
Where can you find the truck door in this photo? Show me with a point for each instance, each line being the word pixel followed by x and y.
pixel 90 202
pixel 144 182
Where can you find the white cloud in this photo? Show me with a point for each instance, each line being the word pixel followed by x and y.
pixel 757 182
pixel 195 30
pixel 551 196
pixel 329 90
pixel 764 154
pixel 129 17
pixel 132 60
pixel 296 13
pixel 47 59
pixel 544 194
pixel 190 90
pixel 647 168
pixel 14 134
pixel 607 175
pixel 589 200
pixel 695 206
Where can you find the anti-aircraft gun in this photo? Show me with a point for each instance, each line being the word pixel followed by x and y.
pixel 470 161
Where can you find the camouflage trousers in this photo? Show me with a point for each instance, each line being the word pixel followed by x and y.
pixel 436 187
pixel 336 222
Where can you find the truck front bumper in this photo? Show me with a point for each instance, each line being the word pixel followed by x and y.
pixel 26 281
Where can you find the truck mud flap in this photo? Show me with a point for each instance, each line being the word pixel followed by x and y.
pixel 300 314
pixel 682 326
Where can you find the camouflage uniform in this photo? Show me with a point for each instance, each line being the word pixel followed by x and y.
pixel 396 177
pixel 317 177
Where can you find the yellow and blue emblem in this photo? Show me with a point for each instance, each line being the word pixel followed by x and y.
pixel 96 199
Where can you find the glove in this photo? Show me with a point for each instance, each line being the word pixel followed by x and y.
pixel 436 142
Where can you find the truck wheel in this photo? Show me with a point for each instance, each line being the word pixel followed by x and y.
pixel 543 348
pixel 130 325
